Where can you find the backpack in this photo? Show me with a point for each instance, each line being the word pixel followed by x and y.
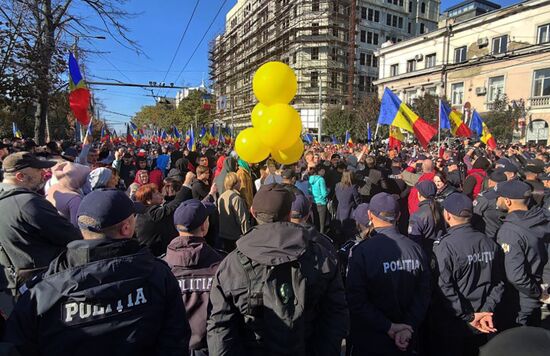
pixel 277 301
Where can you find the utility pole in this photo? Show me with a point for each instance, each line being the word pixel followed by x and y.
pixel 232 125
pixel 351 52
pixel 320 113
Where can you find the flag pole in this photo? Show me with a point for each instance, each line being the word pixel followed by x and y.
pixel 376 131
pixel 439 126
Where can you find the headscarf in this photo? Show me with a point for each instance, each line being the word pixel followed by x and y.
pixel 137 179
pixel 229 165
pixel 98 178
pixel 244 165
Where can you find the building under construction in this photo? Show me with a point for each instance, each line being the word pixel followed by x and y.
pixel 328 43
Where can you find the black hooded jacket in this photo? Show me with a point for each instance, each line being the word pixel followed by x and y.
pixel 101 297
pixel 234 330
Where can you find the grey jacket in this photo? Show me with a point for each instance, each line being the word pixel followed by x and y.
pixel 234 216
pixel 32 233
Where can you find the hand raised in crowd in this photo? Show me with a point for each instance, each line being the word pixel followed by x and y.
pixel 486 326
pixel 395 328
pixel 88 140
pixel 189 177
pixel 118 154
pixel 402 339
pixel 213 189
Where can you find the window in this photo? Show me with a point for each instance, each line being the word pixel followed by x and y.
pixel 422 28
pixel 372 38
pixel 411 65
pixel 394 70
pixel 362 59
pixel 333 80
pixel 369 60
pixel 364 13
pixel 333 53
pixel 294 58
pixel 314 53
pixel 430 60
pixel 314 77
pixel 369 37
pixel 496 88
pixel 409 27
pixel 388 19
pixel 543 33
pixel 335 31
pixel 374 61
pixel 457 93
pixel 423 8
pixel 400 23
pixel 410 6
pixel 315 5
pixel 500 44
pixel 400 2
pixel 460 54
pixel 394 21
pixel 361 83
pixel 363 36
pixel 373 15
pixel 541 82
pixel 314 29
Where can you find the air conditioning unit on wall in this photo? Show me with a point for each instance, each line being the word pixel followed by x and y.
pixel 481 91
pixel 418 57
pixel 481 42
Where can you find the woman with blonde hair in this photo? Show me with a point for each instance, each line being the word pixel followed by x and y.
pixel 234 216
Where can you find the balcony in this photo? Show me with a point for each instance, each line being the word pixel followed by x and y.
pixel 540 101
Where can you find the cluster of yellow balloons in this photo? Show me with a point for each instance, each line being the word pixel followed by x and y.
pixel 277 126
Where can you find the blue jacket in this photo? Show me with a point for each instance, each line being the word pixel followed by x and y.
pixel 422 226
pixel 523 237
pixel 471 278
pixel 388 282
pixel 318 190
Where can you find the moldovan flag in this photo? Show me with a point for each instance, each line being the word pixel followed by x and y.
pixel 395 113
pixel 348 141
pixel 482 131
pixel 79 95
pixel 396 138
pixel 451 119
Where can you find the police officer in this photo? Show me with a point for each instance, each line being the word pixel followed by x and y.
pixel 388 285
pixel 426 225
pixel 278 292
pixel 522 238
pixel 531 172
pixel 194 264
pixel 487 217
pixel 470 283
pixel 105 295
pixel 545 179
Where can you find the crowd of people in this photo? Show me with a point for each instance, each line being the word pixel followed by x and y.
pixel 355 250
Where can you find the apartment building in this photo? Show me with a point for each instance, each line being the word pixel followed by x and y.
pixel 473 62
pixel 313 37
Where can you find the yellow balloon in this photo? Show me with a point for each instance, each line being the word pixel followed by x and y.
pixel 274 83
pixel 249 147
pixel 279 127
pixel 289 155
pixel 257 113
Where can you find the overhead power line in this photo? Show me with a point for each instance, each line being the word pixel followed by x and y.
pixel 202 39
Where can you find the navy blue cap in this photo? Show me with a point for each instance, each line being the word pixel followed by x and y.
pixel 361 215
pixel 506 165
pixel 513 189
pixel 426 188
pixel 384 203
pixel 191 214
pixel 301 207
pixel 498 176
pixel 458 204
pixel 107 207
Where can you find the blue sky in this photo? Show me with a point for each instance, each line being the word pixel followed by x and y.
pixel 158 29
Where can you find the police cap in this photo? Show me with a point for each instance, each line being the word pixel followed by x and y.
pixel 513 189
pixel 458 204
pixel 384 206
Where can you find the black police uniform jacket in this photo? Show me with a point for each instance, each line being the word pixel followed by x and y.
pixel 423 229
pixel 102 297
pixel 523 237
pixel 487 217
pixel 388 282
pixel 234 329
pixel 470 273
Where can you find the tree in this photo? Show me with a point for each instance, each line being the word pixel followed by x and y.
pixel 504 116
pixel 427 107
pixel 39 31
pixel 338 121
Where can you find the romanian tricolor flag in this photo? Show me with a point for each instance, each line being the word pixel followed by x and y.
pixel 396 138
pixel 452 119
pixel 191 140
pixel 348 141
pixel 79 96
pixel 481 129
pixel 129 136
pixel 394 112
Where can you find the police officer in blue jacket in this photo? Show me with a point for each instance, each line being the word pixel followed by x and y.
pixel 469 284
pixel 388 285
pixel 104 295
pixel 487 217
pixel 523 238
pixel 426 225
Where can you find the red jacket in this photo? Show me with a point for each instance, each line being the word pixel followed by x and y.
pixel 479 175
pixel 413 195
